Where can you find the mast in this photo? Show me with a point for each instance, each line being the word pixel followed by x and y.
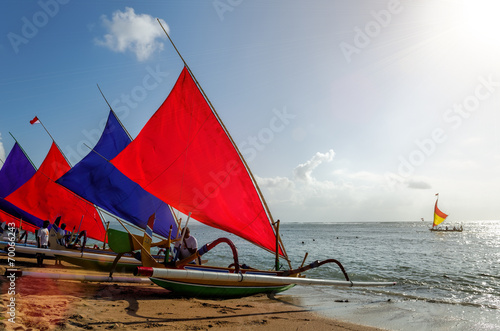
pixel 59 148
pixel 261 196
pixel 111 109
pixel 22 149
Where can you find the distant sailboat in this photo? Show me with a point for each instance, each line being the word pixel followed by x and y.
pixel 439 218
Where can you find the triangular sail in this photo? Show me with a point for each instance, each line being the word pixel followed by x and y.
pixel 99 182
pixel 45 199
pixel 16 171
pixel 184 157
pixel 439 216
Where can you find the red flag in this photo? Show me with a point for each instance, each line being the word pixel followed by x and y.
pixel 34 120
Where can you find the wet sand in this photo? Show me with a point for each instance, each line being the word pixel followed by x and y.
pixel 47 304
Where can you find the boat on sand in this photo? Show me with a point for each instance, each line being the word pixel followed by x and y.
pixel 185 156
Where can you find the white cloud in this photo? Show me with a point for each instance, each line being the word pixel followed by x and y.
pixel 128 31
pixel 303 171
pixel 345 196
pixel 418 184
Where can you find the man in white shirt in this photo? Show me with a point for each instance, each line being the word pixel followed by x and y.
pixel 188 246
pixel 61 235
pixel 42 241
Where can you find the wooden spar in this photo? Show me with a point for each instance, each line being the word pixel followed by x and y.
pixel 169 242
pixel 100 257
pixel 137 241
pixel 277 230
pixel 105 235
pixel 22 149
pixel 304 260
pixel 278 238
pixel 182 238
pixel 78 231
pixel 261 196
pixel 186 65
pixel 60 150
pixel 88 278
pixel 177 221
pixel 129 224
pixel 242 278
pixel 111 109
pixel 104 97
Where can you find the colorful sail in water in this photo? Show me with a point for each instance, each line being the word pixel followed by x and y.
pixel 43 198
pixel 16 171
pixel 184 156
pixel 439 216
pixel 99 182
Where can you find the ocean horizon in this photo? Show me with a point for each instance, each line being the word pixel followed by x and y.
pixel 444 279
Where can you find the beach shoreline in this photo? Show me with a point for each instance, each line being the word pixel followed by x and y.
pixel 48 304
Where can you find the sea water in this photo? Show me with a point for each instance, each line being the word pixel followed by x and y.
pixel 445 280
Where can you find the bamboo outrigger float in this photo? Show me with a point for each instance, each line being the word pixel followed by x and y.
pixel 184 278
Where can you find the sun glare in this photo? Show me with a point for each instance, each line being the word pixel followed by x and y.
pixel 482 20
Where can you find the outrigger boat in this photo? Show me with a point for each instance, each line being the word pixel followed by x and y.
pixel 439 218
pixel 93 180
pixel 185 156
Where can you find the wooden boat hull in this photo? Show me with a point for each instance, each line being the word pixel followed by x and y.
pixel 23 250
pixel 220 284
pixel 204 290
pixel 444 230
pixel 89 259
pixel 98 264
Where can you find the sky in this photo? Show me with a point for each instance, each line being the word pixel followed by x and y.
pixel 346 111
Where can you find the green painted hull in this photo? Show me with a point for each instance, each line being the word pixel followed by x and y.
pixel 119 241
pixel 98 265
pixel 213 291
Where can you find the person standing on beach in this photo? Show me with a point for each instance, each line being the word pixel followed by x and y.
pixel 61 235
pixel 42 240
pixel 188 246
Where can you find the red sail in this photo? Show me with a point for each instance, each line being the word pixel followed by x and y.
pixel 184 157
pixel 43 198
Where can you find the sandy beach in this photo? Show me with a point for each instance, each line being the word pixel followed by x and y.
pixel 47 304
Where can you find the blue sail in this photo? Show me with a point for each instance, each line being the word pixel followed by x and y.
pixel 98 181
pixel 16 171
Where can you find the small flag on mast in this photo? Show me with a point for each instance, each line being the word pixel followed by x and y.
pixel 34 120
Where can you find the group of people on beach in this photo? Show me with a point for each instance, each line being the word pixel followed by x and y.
pixel 42 237
pixel 183 248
